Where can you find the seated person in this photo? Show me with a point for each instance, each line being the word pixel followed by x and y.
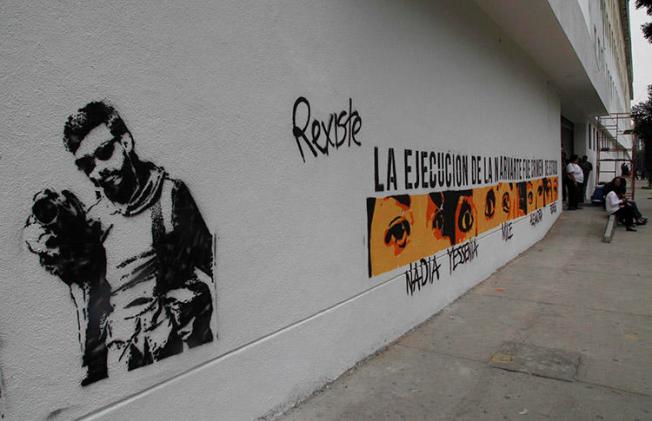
pixel 622 209
pixel 638 217
pixel 619 185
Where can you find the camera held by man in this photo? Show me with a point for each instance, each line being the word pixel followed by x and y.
pixel 67 243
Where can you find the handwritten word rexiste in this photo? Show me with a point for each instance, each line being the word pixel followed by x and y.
pixel 337 130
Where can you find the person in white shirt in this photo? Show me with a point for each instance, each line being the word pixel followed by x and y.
pixel 619 185
pixel 618 207
pixel 575 178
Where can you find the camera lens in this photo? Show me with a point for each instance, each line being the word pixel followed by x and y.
pixel 45 211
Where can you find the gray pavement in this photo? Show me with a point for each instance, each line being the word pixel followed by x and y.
pixel 570 304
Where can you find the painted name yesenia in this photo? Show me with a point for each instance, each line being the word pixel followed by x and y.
pixel 339 129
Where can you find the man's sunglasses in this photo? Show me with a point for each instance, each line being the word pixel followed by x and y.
pixel 103 153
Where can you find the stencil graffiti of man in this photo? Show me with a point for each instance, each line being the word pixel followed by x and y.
pixel 138 261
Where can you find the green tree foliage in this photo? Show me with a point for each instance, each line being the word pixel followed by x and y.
pixel 642 112
pixel 646 27
pixel 642 115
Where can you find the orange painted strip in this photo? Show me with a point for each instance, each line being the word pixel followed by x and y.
pixel 405 228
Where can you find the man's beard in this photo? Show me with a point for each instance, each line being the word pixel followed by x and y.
pixel 119 186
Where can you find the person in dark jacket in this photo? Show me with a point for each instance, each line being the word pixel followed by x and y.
pixel 587 167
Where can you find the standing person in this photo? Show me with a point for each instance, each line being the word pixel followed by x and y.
pixel 624 169
pixel 587 167
pixel 138 262
pixel 564 176
pixel 575 180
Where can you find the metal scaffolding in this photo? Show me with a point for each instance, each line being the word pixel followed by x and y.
pixel 616 137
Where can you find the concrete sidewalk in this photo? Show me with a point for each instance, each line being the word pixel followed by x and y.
pixel 571 308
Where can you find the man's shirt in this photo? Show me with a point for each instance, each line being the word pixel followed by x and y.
pixel 159 272
pixel 576 171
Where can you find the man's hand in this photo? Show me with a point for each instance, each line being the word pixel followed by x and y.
pixel 43 241
pixel 191 307
pixel 67 244
pixel 180 304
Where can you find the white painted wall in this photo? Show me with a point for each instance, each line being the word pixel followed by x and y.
pixel 592 155
pixel 585 5
pixel 585 144
pixel 592 39
pixel 207 90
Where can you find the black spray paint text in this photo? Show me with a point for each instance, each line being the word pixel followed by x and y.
pixel 506 228
pixel 319 136
pixel 505 168
pixel 464 253
pixel 536 217
pixel 410 169
pixel 421 169
pixel 421 273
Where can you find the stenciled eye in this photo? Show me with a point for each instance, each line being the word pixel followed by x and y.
pixel 398 232
pixel 86 164
pixel 490 204
pixel 438 220
pixel 465 220
pixel 436 213
pixel 105 151
pixel 506 202
pixel 530 198
pixel 539 191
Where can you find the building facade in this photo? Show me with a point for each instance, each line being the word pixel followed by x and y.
pixel 212 209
